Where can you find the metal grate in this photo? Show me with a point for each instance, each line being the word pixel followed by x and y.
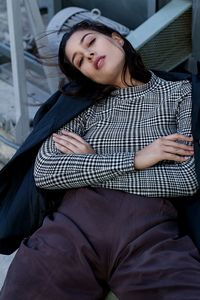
pixel 171 46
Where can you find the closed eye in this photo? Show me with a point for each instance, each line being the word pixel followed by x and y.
pixel 80 62
pixel 92 41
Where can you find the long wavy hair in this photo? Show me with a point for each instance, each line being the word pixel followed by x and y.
pixel 83 84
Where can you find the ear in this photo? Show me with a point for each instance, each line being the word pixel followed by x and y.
pixel 118 38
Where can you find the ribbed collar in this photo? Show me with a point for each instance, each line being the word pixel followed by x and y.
pixel 139 90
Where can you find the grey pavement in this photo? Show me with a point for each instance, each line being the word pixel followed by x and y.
pixel 5 261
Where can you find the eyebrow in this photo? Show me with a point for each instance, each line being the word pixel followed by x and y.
pixel 81 41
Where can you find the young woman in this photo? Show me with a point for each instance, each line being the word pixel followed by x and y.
pixel 120 162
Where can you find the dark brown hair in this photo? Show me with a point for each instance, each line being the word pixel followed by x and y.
pixel 133 62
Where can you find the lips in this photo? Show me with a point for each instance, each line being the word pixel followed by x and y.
pixel 98 63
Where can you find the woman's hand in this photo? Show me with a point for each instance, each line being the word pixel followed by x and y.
pixel 69 142
pixel 164 148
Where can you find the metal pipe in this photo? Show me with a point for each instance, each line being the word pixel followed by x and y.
pixel 30 60
pixel 8 142
pixel 18 70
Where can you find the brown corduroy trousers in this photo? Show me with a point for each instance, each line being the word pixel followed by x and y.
pixel 102 239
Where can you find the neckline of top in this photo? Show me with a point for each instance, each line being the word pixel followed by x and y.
pixel 137 90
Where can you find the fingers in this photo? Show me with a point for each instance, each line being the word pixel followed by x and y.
pixel 176 158
pixel 177 136
pixel 69 138
pixel 172 149
pixel 165 148
pixel 177 148
pixel 179 151
pixel 69 142
pixel 73 137
pixel 64 145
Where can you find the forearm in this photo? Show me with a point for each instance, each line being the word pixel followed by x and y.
pixel 162 180
pixel 61 171
pixel 169 179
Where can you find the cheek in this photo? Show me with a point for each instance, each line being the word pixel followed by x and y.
pixel 88 70
pixel 119 56
pixel 116 63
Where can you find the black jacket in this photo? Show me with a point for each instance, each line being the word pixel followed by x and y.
pixel 23 205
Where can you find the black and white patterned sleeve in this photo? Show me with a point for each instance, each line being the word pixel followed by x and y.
pixel 177 179
pixel 184 116
pixel 184 123
pixel 56 170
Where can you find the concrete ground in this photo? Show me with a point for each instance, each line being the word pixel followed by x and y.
pixel 5 261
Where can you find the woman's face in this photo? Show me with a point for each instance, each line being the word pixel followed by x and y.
pixel 99 57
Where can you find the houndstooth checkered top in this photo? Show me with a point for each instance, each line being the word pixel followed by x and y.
pixel 116 127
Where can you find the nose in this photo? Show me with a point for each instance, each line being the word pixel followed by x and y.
pixel 90 55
